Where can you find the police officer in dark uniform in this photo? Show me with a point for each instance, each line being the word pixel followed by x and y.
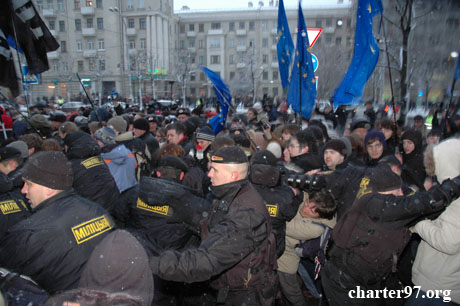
pixel 53 245
pixel 237 250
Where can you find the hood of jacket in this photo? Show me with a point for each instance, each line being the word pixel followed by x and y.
pixel 80 145
pixel 118 155
pixel 125 136
pixel 447 159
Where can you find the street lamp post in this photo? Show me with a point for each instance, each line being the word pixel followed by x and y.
pixel 124 44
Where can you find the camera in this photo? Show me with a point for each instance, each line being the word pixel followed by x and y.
pixel 306 182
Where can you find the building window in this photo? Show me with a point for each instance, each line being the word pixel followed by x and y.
pixel 192 76
pixel 191 27
pixel 80 66
pixel 142 23
pixel 77 25
pixel 192 61
pixel 49 4
pixel 201 27
pixel 65 67
pixel 61 26
pixel 232 75
pixel 130 4
pixel 182 28
pixel 274 56
pixel 318 23
pixel 100 23
pixel 215 26
pixel 143 43
pixel 230 59
pixel 231 43
pixel 63 46
pixel 60 5
pixel 275 91
pixel 275 74
pixel 274 40
pixel 242 42
pixel 251 42
pixel 201 76
pixel 265 75
pixel 265 25
pixel 39 5
pixel 348 41
pixel 79 45
pixel 191 43
pixel 131 23
pixel 338 41
pixel 89 3
pixel 91 64
pixel 56 66
pixel 102 65
pixel 201 44
pixel 193 90
pixel 252 25
pixel 348 22
pixel 201 60
pixel 100 44
pixel 265 90
pixel 52 24
pixel 90 44
pixel 89 23
pixel 329 22
pixel 99 4
pixel 132 44
pixel 76 4
pixel 231 26
pixel 241 25
pixel 182 44
pixel 141 4
pixel 265 59
pixel 328 39
pixel 215 59
pixel 214 42
pixel 264 42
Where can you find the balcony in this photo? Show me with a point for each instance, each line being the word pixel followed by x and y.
pixel 53 55
pixel 329 30
pixel 274 32
pixel 240 32
pixel 132 52
pixel 274 64
pixel 87 10
pixel 191 34
pixel 191 50
pixel 216 32
pixel 54 33
pixel 49 13
pixel 88 32
pixel 241 65
pixel 89 53
pixel 131 31
pixel 241 48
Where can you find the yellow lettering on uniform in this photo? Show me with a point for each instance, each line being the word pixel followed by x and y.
pixel 92 162
pixel 9 207
pixel 364 187
pixel 161 210
pixel 272 210
pixel 90 229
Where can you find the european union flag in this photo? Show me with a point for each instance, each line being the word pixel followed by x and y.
pixel 285 46
pixel 302 88
pixel 457 71
pixel 365 56
pixel 223 95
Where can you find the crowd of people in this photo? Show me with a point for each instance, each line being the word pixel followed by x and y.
pixel 126 207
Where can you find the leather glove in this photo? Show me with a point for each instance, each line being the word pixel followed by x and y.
pixel 442 195
pixel 299 252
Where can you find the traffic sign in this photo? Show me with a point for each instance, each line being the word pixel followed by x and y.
pixel 315 62
pixel 313 35
pixel 29 78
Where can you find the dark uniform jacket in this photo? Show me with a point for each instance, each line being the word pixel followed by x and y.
pixel 13 207
pixel 53 245
pixel 92 177
pixel 151 142
pixel 237 249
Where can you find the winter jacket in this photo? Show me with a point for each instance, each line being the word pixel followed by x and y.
pixel 186 144
pixel 237 247
pixel 437 264
pixel 53 245
pixel 307 161
pixel 140 151
pixel 297 230
pixel 13 207
pixel 92 177
pixel 16 178
pixel 151 142
pixel 122 166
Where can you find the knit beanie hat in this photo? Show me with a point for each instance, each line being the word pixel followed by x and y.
pixel 375 134
pixel 118 123
pixel 336 145
pixel 205 133
pixel 384 179
pixel 50 169
pixel 106 135
pixel 141 124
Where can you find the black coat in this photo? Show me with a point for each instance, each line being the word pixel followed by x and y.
pixel 151 142
pixel 13 207
pixel 307 161
pixel 92 177
pixel 54 243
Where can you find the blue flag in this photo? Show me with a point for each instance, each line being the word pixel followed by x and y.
pixel 365 56
pixel 457 71
pixel 302 88
pixel 285 46
pixel 223 95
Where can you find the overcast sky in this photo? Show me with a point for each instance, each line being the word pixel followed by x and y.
pixel 226 4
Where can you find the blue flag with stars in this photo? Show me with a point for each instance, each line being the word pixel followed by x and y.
pixel 285 46
pixel 457 71
pixel 302 87
pixel 365 56
pixel 223 95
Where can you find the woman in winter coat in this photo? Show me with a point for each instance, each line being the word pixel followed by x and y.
pixel 413 170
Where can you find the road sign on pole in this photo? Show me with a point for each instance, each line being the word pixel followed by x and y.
pixel 315 62
pixel 29 78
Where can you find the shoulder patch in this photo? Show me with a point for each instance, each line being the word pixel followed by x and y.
pixel 9 207
pixel 161 210
pixel 90 229
pixel 364 187
pixel 272 210
pixel 92 162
